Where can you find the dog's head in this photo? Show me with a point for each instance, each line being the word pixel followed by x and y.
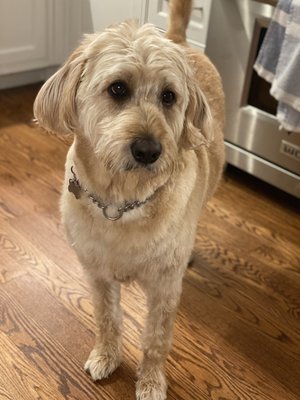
pixel 131 100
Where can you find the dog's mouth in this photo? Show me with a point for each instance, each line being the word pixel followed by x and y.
pixel 133 166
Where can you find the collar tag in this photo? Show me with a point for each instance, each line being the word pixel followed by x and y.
pixel 74 187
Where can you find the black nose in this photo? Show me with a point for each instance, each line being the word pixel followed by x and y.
pixel 146 150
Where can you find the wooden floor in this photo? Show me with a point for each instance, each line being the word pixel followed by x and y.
pixel 237 335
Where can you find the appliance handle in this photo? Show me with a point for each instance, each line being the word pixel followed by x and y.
pixel 271 2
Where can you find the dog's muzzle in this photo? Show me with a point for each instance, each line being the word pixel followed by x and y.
pixel 146 150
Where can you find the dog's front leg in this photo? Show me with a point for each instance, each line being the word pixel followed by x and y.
pixel 106 354
pixel 157 340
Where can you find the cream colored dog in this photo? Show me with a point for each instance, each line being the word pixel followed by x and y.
pixel 147 117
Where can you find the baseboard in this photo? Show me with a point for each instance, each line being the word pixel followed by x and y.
pixel 26 77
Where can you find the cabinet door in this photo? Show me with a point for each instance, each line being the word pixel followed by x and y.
pixel 23 35
pixel 158 11
pixel 107 12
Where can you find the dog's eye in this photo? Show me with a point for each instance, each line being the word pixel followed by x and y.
pixel 118 90
pixel 168 98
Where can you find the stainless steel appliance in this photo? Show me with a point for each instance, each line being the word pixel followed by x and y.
pixel 254 141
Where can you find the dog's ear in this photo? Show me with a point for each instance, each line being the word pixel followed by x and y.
pixel 198 127
pixel 55 105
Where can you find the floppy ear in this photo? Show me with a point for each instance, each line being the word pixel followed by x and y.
pixel 55 105
pixel 198 129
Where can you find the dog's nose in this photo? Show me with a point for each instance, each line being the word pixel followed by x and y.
pixel 146 150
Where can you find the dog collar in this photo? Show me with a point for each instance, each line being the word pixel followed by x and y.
pixel 110 211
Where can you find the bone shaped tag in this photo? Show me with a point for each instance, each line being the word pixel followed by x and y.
pixel 74 188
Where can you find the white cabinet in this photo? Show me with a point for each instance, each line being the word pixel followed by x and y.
pixel 158 10
pixel 106 12
pixel 36 36
pixel 23 38
pixel 31 34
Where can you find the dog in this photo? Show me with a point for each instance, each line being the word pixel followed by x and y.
pixel 147 115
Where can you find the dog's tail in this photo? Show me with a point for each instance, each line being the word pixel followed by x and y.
pixel 180 12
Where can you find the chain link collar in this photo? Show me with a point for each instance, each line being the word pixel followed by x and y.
pixel 110 211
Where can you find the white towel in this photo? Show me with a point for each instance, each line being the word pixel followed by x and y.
pixel 278 62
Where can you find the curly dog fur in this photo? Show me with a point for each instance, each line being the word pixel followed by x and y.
pixel 124 85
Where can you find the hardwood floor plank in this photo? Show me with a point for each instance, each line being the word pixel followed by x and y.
pixel 37 230
pixel 254 231
pixel 279 258
pixel 9 268
pixel 18 380
pixel 248 270
pixel 212 326
pixel 43 306
pixel 248 329
pixel 46 354
pixel 66 328
pixel 266 310
pixel 16 104
pixel 254 201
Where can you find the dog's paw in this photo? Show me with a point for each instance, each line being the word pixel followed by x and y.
pixel 101 364
pixel 152 386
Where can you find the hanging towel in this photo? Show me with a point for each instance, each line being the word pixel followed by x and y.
pixel 278 62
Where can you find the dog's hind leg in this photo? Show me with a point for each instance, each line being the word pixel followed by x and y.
pixel 157 340
pixel 106 354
